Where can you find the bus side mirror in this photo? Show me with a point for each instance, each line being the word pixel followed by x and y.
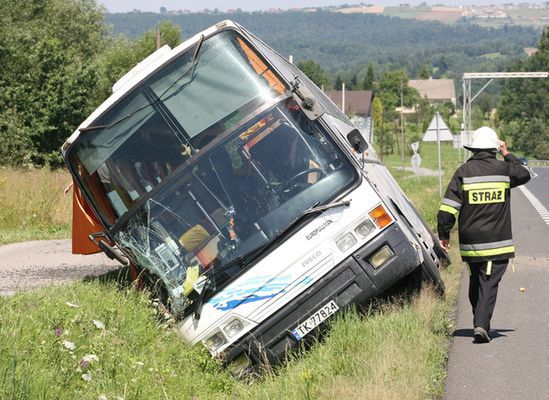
pixel 357 141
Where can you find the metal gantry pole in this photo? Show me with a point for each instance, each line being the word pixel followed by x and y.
pixel 439 158
pixel 467 93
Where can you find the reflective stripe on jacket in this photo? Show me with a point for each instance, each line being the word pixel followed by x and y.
pixel 479 196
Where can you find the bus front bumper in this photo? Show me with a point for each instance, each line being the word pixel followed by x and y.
pixel 352 282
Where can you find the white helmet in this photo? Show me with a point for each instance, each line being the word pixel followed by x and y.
pixel 484 138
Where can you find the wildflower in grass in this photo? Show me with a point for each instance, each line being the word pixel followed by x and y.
pixel 69 345
pixel 58 331
pixel 99 324
pixel 72 305
pixel 90 358
pixel 87 377
pixel 102 397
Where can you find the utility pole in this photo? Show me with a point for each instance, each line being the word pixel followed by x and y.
pixel 401 125
pixel 157 37
pixel 343 97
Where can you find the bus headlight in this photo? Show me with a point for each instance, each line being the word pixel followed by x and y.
pixel 346 242
pixel 365 228
pixel 233 328
pixel 215 341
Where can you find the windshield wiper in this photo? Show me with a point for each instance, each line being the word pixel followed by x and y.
pixel 200 300
pixel 252 255
pixel 307 213
pixel 340 203
pixel 247 258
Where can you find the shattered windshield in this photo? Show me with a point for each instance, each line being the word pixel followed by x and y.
pixel 235 198
pixel 168 118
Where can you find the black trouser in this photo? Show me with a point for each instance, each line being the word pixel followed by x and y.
pixel 483 290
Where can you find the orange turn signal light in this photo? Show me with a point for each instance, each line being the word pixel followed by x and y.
pixel 380 216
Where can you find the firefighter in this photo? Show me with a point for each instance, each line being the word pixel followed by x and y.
pixel 479 196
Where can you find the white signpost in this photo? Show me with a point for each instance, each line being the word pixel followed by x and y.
pixel 438 131
pixel 416 158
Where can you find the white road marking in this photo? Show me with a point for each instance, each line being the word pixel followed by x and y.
pixel 542 211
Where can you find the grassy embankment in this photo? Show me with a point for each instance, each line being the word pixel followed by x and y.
pixel 395 351
pixel 33 205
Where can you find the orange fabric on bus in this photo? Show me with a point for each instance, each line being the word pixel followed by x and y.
pixel 261 68
pixel 84 223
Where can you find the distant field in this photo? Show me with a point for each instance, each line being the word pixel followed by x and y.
pixel 404 12
pixel 491 55
pixel 363 10
pixel 527 13
pixel 445 14
pixel 537 17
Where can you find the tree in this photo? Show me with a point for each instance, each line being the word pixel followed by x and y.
pixel 123 54
pixel 58 63
pixel 368 82
pixel 314 72
pixel 425 71
pixel 380 132
pixel 523 106
pixel 47 50
pixel 354 83
pixel 485 103
pixel 338 83
pixel 389 86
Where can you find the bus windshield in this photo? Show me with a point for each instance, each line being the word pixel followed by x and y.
pixel 169 117
pixel 236 197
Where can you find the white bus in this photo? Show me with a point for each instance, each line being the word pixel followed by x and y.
pixel 218 168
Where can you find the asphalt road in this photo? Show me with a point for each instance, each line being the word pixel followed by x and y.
pixel 539 186
pixel 515 364
pixel 30 265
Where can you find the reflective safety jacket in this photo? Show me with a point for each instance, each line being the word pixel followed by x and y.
pixel 480 193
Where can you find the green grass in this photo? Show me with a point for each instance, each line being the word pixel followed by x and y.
pixel 491 56
pixel 527 13
pixel 397 350
pixel 429 157
pixel 33 205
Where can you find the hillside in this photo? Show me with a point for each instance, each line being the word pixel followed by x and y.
pixel 345 42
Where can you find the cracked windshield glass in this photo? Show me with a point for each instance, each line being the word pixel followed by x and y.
pixel 207 165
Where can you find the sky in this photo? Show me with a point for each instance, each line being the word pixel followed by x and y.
pixel 251 5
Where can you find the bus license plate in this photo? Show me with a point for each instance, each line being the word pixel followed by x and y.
pixel 316 319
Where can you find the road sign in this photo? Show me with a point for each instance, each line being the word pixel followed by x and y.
pixel 416 161
pixel 415 146
pixel 438 130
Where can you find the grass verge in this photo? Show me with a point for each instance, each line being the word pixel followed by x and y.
pixel 116 344
pixel 33 205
